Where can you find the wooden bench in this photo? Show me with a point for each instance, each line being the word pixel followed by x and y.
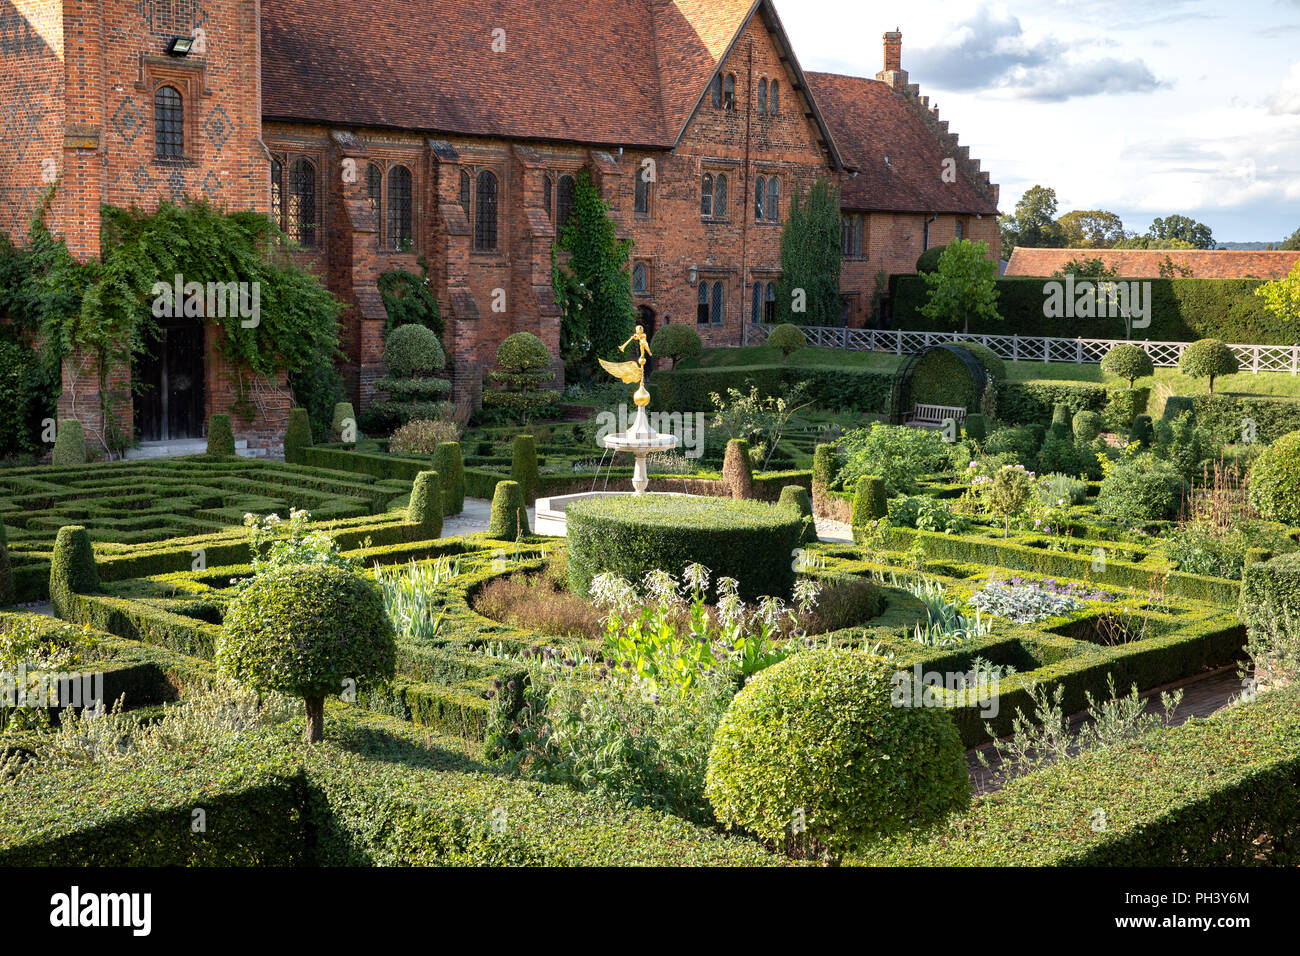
pixel 933 416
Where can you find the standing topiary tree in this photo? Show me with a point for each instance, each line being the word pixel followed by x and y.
pixel 977 427
pixel 1010 492
pixel 509 517
pixel 737 472
pixel 676 341
pixel 523 366
pixel 308 630
pixel 523 467
pixel 1087 425
pixel 788 338
pixel 869 505
pixel 8 592
pixel 425 508
pixel 593 287
pixel 72 569
pixel 797 497
pixel 343 423
pixel 1208 358
pixel 69 443
pixel 447 461
pixel 297 436
pixel 1128 361
pixel 1142 432
pixel 221 437
pixel 808 292
pixel 414 356
pixel 965 285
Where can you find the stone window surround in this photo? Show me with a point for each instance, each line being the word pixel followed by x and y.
pixel 189 77
pixel 286 150
pixel 386 157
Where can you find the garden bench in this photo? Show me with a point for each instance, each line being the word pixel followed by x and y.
pixel 933 416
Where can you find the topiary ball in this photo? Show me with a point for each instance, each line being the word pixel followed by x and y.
pixel 797 497
pixel 1274 481
pixel 822 737
pixel 1127 361
pixel 72 570
pixel 509 517
pixel 1208 358
pixel 412 351
pixel 69 443
pixel 304 630
pixel 788 338
pixel 676 341
pixel 425 508
pixel 297 436
pixel 221 437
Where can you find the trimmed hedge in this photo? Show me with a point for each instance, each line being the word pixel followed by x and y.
pixel 688 389
pixel 750 541
pixel 221 437
pixel 509 516
pixel 1223 419
pixel 72 569
pixel 426 508
pixel 1032 403
pixel 447 462
pixel 297 436
pixel 8 593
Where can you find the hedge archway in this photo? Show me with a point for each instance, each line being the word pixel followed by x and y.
pixel 938 375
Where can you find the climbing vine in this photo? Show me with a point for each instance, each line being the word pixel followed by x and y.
pixel 408 299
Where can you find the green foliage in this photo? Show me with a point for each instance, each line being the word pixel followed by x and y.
pixel 817 742
pixel 413 350
pixel 1018 441
pixel 1123 405
pixel 826 467
pixel 869 503
pixel 426 508
pixel 318 387
pixel 737 471
pixel 1274 484
pixel 72 570
pixel 447 462
pixel 1033 402
pixel 977 428
pixel 1142 431
pixel 1063 455
pixel 221 437
pixel 676 341
pixel 593 288
pixel 1091 229
pixel 810 257
pixel 1052 488
pixel 509 517
pixel 1208 358
pixel 798 498
pixel 758 420
pixel 1141 489
pixel 408 299
pixel 1180 443
pixel 523 467
pixel 305 630
pixel 749 541
pixel 994 365
pixel 941 377
pixel 898 455
pixel 28 392
pixel 1188 230
pixel 343 413
pixel 788 338
pixel 1270 608
pixel 523 366
pixel 1087 425
pixel 963 288
pixel 1282 296
pixel 1127 361
pixel 297 435
pixel 1033 223
pixel 69 443
pixel 928 261
pixel 1175 405
pixel 1009 494
pixel 8 594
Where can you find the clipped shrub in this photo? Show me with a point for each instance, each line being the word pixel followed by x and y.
pixel 928 261
pixel 447 461
pixel 750 541
pixel 343 414
pixel 1127 361
pixel 69 443
pixel 1020 441
pixel 1208 358
pixel 422 436
pixel 869 502
pixel 1087 425
pixel 1141 489
pixel 826 466
pixel 304 630
pixel 1274 484
pixel 1180 443
pixel 737 472
pixel 1062 455
pixel 1060 414
pixel 221 437
pixel 523 366
pixel 1123 405
pixel 1175 405
pixel 297 436
pixel 788 338
pixel 509 517
pixel 8 594
pixel 826 738
pixel 798 498
pixel 72 569
pixel 1270 609
pixel 523 467
pixel 1142 431
pixel 425 508
pixel 676 341
pixel 976 427
pixel 994 365
pixel 412 351
pixel 1055 488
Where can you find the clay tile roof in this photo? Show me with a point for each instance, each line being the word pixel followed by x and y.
pixel 691 39
pixel 1145 263
pixel 871 122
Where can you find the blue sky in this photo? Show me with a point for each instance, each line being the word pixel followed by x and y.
pixel 1141 107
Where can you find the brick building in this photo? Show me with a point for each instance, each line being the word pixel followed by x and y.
pixel 382 134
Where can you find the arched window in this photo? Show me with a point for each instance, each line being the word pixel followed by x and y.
pixel 399 208
pixel 548 202
pixel 564 200
pixel 715 91
pixel 720 197
pixel 706 197
pixel 641 195
pixel 756 306
pixel 485 212
pixel 464 190
pixel 374 186
pixel 715 315
pixel 762 94
pixel 277 191
pixel 702 305
pixel 959 230
pixel 639 277
pixel 729 92
pixel 760 198
pixel 168 123
pixel 772 96
pixel 769 305
pixel 773 198
pixel 302 202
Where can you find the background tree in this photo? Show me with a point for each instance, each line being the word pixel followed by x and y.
pixel 1127 361
pixel 1147 242
pixel 1291 242
pixel 1208 358
pixel 810 258
pixel 1091 268
pixel 1033 223
pixel 1184 228
pixel 676 341
pixel 964 286
pixel 591 277
pixel 1282 296
pixel 1091 229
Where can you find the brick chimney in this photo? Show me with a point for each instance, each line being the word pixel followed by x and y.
pixel 893 73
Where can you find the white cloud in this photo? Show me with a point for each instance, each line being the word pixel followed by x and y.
pixel 1287 98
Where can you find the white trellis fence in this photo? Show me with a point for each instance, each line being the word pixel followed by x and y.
pixel 1026 348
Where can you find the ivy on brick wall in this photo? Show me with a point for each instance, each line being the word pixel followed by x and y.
pixel 408 299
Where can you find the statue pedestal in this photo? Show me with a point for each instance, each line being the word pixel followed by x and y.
pixel 640 439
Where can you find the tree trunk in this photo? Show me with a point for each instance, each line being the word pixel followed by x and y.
pixel 315 719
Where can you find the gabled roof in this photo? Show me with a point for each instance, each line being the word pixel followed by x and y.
pixel 872 123
pixel 1145 263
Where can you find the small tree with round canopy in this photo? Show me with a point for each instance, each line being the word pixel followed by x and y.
pixel 1208 358
pixel 1128 361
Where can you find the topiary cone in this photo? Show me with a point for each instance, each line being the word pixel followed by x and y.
pixel 737 473
pixel 448 462
pixel 221 437
pixel 69 444
pixel 509 514
pixel 344 419
pixel 797 497
pixel 523 467
pixel 869 503
pixel 72 570
pixel 425 508
pixel 297 436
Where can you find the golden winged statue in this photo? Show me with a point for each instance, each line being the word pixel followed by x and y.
pixel 633 371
